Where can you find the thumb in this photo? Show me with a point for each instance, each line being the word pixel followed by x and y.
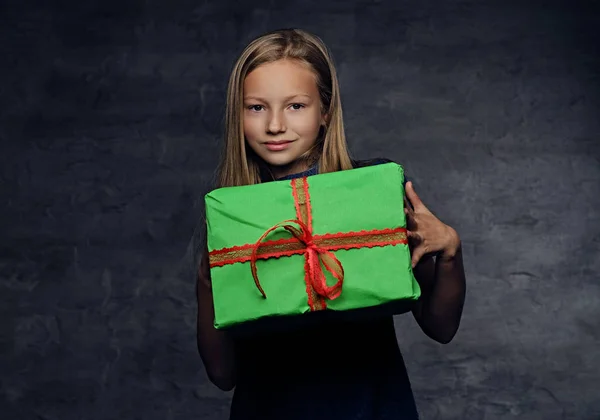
pixel 412 196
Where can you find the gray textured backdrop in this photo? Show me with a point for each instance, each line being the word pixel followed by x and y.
pixel 110 119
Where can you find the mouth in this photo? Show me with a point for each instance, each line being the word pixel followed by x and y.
pixel 278 145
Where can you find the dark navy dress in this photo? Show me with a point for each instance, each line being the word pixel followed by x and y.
pixel 347 370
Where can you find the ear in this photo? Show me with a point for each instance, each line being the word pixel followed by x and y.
pixel 325 120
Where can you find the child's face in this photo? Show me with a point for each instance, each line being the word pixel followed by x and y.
pixel 282 114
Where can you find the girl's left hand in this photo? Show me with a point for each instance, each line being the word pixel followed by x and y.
pixel 426 233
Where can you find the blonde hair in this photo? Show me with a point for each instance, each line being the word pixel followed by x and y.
pixel 239 165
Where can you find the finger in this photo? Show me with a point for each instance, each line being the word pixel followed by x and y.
pixel 407 204
pixel 413 235
pixel 409 213
pixel 414 239
pixel 416 256
pixel 414 199
pixel 411 222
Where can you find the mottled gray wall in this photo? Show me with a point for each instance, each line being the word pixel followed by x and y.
pixel 110 114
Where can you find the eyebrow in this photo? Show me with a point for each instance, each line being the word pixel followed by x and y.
pixel 285 99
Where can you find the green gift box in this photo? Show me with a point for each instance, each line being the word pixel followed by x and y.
pixel 335 241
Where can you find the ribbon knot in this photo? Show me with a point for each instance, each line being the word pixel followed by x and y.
pixel 316 258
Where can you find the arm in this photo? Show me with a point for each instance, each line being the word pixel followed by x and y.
pixel 443 287
pixel 215 347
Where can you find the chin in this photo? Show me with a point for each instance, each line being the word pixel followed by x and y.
pixel 279 161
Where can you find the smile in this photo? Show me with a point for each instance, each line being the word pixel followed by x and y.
pixel 278 145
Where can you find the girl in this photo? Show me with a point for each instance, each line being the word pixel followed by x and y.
pixel 284 120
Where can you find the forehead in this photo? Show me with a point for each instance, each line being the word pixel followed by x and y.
pixel 282 77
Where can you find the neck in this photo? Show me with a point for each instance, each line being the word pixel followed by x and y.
pixel 291 168
pixel 301 164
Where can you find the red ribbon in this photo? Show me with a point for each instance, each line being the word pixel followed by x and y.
pixel 314 260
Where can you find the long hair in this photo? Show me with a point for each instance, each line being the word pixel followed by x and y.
pixel 239 165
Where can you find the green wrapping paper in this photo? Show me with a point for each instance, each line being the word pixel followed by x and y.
pixel 334 241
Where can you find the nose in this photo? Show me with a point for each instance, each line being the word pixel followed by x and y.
pixel 276 123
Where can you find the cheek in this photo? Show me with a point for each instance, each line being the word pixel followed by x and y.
pixel 311 124
pixel 250 128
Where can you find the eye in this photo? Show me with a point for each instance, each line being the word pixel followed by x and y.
pixel 255 108
pixel 297 106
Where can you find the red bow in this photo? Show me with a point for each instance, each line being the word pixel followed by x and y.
pixel 314 257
